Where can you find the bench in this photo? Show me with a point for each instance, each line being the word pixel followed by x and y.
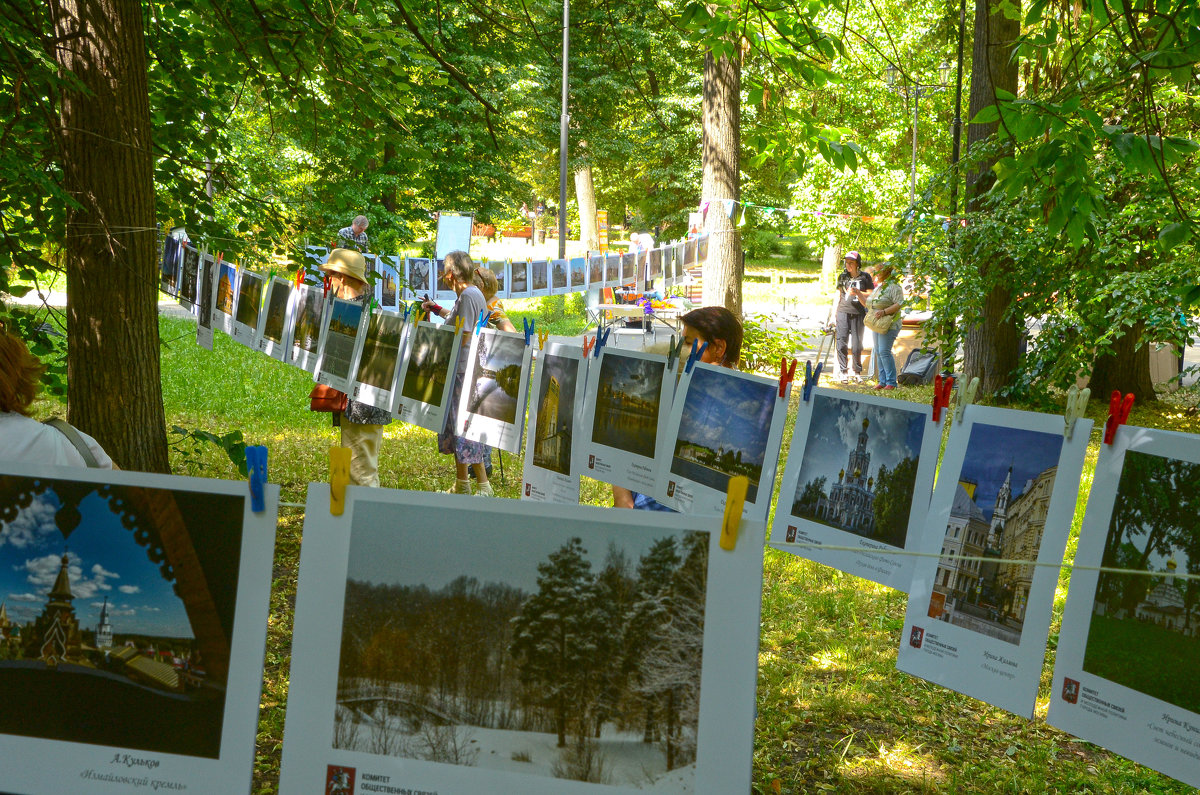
pixel 517 231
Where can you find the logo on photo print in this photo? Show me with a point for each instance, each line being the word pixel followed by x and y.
pixel 671 489
pixel 591 462
pixel 791 533
pixel 526 489
pixel 339 780
pixel 1070 691
pixel 916 637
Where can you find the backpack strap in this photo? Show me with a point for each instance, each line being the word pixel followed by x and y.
pixel 67 430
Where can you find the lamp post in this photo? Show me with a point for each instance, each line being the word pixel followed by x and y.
pixel 918 90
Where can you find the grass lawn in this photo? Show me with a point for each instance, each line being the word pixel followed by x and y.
pixel 1146 658
pixel 833 714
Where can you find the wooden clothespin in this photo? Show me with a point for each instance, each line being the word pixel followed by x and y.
pixel 942 387
pixel 1118 414
pixel 812 376
pixel 601 341
pixel 1077 400
pixel 339 478
pixel 542 337
pixel 256 466
pixel 694 356
pixel 528 326
pixel 735 500
pixel 788 374
pixel 588 342
pixel 965 398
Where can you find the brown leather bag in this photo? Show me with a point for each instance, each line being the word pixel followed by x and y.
pixel 326 398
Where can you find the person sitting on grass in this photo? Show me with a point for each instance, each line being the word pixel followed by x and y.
pixel 458 272
pixel 718 327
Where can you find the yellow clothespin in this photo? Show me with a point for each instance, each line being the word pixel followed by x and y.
pixel 542 335
pixel 1077 400
pixel 339 478
pixel 735 499
pixel 458 323
pixel 965 398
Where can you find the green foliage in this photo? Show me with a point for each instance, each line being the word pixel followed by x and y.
pixel 188 443
pixel 764 347
pixel 761 243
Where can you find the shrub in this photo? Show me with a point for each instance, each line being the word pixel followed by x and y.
pixel 760 243
pixel 763 347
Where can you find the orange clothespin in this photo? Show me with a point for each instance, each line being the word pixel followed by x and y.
pixel 339 478
pixel 588 342
pixel 1118 414
pixel 942 387
pixel 786 375
pixel 300 276
pixel 735 500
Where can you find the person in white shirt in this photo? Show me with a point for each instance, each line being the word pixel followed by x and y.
pixel 23 438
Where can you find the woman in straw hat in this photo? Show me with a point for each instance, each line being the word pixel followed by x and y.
pixel 361 424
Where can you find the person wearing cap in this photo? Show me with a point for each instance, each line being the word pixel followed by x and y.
pixel 853 286
pixel 361 424
pixel 458 271
pixel 355 234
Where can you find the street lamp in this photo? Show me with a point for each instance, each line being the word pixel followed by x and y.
pixel 918 90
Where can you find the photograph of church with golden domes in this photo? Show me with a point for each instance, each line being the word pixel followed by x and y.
pixel 1145 628
pixel 860 467
pixel 116 613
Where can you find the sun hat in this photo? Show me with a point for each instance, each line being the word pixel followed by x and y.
pixel 347 262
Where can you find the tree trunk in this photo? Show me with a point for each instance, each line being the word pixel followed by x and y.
pixel 585 197
pixel 722 151
pixel 112 284
pixel 1124 368
pixel 990 350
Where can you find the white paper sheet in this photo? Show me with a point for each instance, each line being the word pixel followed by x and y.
pixel 552 460
pixel 427 375
pixel 491 407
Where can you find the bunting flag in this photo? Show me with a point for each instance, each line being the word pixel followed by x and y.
pixel 792 213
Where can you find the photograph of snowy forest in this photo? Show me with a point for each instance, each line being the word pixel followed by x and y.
pixel 527 651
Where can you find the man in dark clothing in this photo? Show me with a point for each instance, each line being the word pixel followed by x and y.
pixel 853 286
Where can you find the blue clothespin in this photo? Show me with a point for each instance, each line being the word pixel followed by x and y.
pixel 256 464
pixel 529 326
pixel 404 308
pixel 484 314
pixel 601 341
pixel 696 352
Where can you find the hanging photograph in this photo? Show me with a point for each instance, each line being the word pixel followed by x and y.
pixel 668 262
pixel 445 292
pixel 1129 648
pixel 206 279
pixel 626 410
pixel 169 268
pixel 500 268
pixel 275 322
pixel 247 308
pixel 388 275
pixel 519 275
pixel 420 278
pixel 132 626
pixel 723 423
pixel 612 269
pixel 702 249
pixel 655 256
pixel 628 267
pixel 427 375
pixel 561 649
pixel 979 612
pixel 307 316
pixel 491 408
pixel 226 296
pixel 689 253
pixel 680 258
pixel 558 276
pixel 539 278
pixel 555 411
pixel 379 359
pixel 189 275
pixel 339 343
pixel 859 476
pixel 595 270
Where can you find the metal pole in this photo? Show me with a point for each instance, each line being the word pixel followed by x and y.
pixel 562 138
pixel 912 191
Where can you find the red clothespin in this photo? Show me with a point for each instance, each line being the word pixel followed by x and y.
pixel 220 257
pixel 786 375
pixel 588 342
pixel 300 276
pixel 942 387
pixel 326 284
pixel 1118 414
pixel 183 243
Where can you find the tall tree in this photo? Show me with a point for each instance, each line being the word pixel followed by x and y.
pixel 722 175
pixel 112 315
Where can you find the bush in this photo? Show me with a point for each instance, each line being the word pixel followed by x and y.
pixel 761 243
pixel 763 348
pixel 800 250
